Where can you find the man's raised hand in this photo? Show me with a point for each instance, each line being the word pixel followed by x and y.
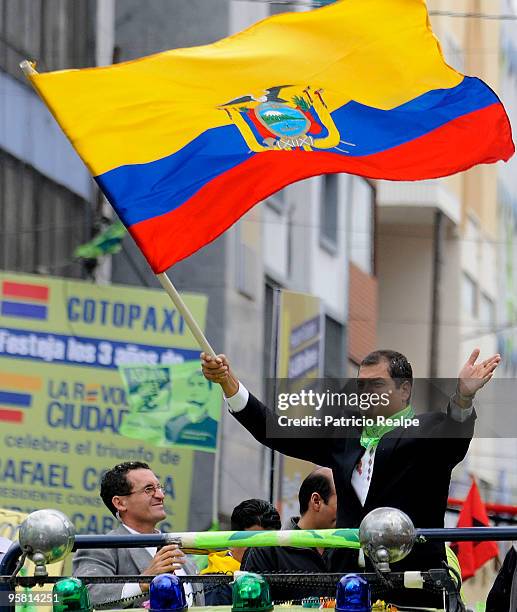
pixel 474 375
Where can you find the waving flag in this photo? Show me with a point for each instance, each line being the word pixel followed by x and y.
pixel 473 555
pixel 185 142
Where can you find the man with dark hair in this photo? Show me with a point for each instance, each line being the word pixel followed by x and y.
pixel 134 495
pixel 318 501
pixel 249 515
pixel 380 465
pixel 255 515
pixel 318 504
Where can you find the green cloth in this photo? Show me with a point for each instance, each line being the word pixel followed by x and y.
pixel 108 242
pixel 372 434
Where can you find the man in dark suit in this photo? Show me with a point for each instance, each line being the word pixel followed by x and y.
pixel 133 494
pixel 380 466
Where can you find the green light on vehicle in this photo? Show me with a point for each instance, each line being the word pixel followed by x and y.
pixel 250 593
pixel 70 594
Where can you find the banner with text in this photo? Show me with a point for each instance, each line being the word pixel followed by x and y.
pixel 62 399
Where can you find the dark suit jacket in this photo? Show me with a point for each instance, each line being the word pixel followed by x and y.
pixel 410 473
pixel 503 594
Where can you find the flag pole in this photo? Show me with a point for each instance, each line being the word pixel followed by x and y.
pixel 170 289
pixel 28 68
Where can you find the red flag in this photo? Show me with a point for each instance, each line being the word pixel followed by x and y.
pixel 472 555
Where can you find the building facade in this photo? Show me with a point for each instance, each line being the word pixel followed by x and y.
pixel 45 191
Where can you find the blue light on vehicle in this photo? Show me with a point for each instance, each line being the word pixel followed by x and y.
pixel 166 594
pixel 353 594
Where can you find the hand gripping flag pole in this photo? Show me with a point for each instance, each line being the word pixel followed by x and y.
pixel 164 280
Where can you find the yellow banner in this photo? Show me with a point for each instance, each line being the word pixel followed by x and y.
pixel 62 400
pixel 300 358
pixel 301 345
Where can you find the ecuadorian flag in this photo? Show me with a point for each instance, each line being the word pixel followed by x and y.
pixel 185 142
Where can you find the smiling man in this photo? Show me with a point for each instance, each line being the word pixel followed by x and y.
pixel 380 465
pixel 133 494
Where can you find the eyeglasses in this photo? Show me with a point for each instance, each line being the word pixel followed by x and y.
pixel 149 490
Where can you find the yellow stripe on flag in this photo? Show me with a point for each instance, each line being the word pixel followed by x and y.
pixel 381 53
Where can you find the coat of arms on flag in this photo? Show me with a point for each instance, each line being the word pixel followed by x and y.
pixel 284 118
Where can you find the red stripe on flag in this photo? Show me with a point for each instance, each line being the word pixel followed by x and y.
pixel 11 416
pixel 171 237
pixel 22 290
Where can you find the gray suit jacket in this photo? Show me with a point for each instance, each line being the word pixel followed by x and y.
pixel 121 562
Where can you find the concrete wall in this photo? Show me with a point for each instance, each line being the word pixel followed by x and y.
pixel 149 26
pixel 404 270
pixel 38 167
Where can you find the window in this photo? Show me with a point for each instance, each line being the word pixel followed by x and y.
pixel 362 222
pixel 469 290
pixel 453 52
pixel 329 212
pixel 270 332
pixel 335 349
pixel 487 311
pixel 279 7
pixel 278 201
pixel 41 222
pixel 57 34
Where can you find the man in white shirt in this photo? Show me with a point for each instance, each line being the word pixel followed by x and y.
pixel 379 466
pixel 134 495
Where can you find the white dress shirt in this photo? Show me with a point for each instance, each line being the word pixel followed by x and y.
pixel 131 589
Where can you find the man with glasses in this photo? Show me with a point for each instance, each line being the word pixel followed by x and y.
pixel 132 493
